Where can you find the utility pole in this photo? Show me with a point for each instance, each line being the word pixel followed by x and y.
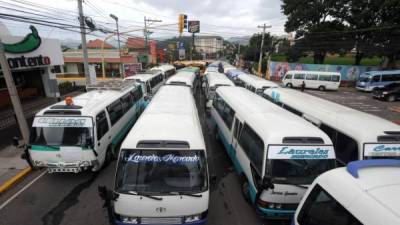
pixel 192 49
pixel 146 33
pixel 83 40
pixel 119 46
pixel 262 46
pixel 12 90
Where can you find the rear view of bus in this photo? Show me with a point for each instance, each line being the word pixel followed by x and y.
pixel 162 175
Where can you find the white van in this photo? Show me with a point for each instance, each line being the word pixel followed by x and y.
pixel 186 78
pixel 364 193
pixel 211 82
pixel 312 79
pixel 355 135
pixel 167 70
pixel 83 131
pixel 276 154
pixel 162 175
pixel 254 83
pixel 150 80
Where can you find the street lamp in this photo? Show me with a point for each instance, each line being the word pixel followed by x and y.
pixel 119 45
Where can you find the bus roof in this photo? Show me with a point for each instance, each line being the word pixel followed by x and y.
pixel 256 82
pixel 89 103
pixel 185 77
pixel 190 69
pixel 271 122
pixel 218 79
pixel 163 67
pixel 383 72
pixel 314 72
pixel 354 123
pixel 170 116
pixel 144 76
pixel 372 197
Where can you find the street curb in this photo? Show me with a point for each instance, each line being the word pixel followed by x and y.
pixel 6 185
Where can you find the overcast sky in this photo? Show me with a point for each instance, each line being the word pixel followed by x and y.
pixel 227 18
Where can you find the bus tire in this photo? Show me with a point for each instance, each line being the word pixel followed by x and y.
pixel 246 189
pixel 321 88
pixel 289 85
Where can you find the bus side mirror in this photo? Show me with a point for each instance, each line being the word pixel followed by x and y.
pixel 107 194
pixel 15 141
pixel 213 179
pixel 89 142
pixel 267 183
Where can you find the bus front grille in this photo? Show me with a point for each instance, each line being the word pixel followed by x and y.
pixel 161 220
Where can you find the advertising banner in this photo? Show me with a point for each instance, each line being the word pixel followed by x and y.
pixel 300 152
pixel 132 68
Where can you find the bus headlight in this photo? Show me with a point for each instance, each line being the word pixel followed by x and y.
pixel 278 206
pixel 385 92
pixel 192 218
pixel 271 205
pixel 130 220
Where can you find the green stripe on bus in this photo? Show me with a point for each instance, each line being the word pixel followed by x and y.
pixel 44 148
pixel 126 128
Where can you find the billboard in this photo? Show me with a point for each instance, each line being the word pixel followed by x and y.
pixel 131 69
pixel 194 26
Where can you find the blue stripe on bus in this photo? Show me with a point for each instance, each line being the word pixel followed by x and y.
pixel 276 213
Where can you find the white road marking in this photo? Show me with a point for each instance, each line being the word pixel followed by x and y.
pixel 20 191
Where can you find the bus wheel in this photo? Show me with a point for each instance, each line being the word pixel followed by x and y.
pixel 391 98
pixel 321 88
pixel 289 85
pixel 246 190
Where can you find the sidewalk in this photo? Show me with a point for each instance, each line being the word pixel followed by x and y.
pixel 12 167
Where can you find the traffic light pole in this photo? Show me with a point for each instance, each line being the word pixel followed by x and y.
pixel 12 90
pixel 192 49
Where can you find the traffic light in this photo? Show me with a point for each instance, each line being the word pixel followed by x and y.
pixel 182 22
pixel 185 24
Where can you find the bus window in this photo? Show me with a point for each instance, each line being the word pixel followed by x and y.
pixel 228 115
pixel 292 110
pixel 311 77
pixel 335 78
pixel 288 76
pixel 321 208
pixel 253 146
pixel 127 102
pixel 345 147
pixel 376 78
pixel 101 125
pixel 115 111
pixel 324 78
pixel 299 76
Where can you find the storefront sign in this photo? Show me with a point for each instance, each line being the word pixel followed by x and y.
pixel 22 61
pixel 132 69
pixel 194 26
pixel 301 152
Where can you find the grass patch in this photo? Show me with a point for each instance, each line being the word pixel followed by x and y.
pixel 332 60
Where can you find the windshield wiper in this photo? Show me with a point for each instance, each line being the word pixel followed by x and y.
pixel 145 195
pixel 184 193
pixel 286 181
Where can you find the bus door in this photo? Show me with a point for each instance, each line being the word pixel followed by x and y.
pixel 237 128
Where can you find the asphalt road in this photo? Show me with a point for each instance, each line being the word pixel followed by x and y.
pixel 72 199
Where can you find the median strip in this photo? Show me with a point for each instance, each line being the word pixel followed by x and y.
pixel 6 185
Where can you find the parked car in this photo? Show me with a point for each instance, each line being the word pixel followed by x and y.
pixel 390 92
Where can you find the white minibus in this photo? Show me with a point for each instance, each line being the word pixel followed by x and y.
pixel 254 83
pixel 364 193
pixel 150 80
pixel 355 135
pixel 211 82
pixel 162 175
pixel 185 78
pixel 312 79
pixel 370 80
pixel 82 132
pixel 276 153
pixel 167 70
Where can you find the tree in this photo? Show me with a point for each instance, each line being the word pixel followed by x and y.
pixel 252 51
pixel 319 24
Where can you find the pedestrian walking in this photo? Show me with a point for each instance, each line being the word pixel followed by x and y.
pixel 303 85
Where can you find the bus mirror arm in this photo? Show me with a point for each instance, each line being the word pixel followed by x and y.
pixel 267 183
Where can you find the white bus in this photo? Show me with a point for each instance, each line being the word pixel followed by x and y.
pixel 254 83
pixel 185 78
pixel 312 79
pixel 162 175
pixel 167 70
pixel 83 131
pixel 355 135
pixel 276 153
pixel 364 193
pixel 211 82
pixel 151 81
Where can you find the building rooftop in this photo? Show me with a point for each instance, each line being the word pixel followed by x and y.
pixel 98 44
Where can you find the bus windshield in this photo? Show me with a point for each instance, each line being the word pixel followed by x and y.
pixel 364 79
pixel 161 171
pixel 299 171
pixel 62 131
pixel 62 136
